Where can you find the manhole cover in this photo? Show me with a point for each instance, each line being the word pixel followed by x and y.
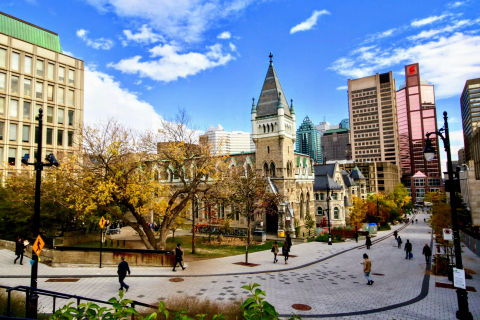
pixel 62 280
pixel 176 279
pixel 301 307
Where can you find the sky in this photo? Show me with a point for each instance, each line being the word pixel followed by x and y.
pixel 145 59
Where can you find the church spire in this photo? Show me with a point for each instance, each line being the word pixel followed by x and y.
pixel 292 110
pixel 271 59
pixel 254 108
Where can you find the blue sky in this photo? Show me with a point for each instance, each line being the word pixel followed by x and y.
pixel 146 58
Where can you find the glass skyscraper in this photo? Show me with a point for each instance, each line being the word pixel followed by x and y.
pixel 309 140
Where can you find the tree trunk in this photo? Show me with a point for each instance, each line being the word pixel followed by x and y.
pixel 249 233
pixel 162 241
pixel 173 235
pixel 193 232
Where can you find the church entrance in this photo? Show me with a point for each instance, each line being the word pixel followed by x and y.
pixel 272 219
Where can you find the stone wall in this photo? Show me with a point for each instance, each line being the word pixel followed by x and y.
pixel 71 238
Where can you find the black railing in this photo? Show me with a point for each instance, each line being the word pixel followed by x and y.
pixel 30 292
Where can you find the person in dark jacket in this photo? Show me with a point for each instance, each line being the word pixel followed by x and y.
pixel 19 250
pixel 355 235
pixel 427 252
pixel 289 242
pixel 178 257
pixel 368 242
pixel 285 251
pixel 408 249
pixel 395 234
pixel 122 273
pixel 399 241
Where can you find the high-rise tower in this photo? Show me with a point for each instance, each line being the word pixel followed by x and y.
pixel 309 140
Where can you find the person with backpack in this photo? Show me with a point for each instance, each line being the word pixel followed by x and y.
pixel 399 241
pixel 408 250
pixel 285 251
pixel 275 251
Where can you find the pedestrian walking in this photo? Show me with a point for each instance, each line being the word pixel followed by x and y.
pixel 275 251
pixel 178 257
pixel 424 220
pixel 367 268
pixel 427 252
pixel 19 250
pixel 399 241
pixel 395 234
pixel 355 235
pixel 368 242
pixel 122 271
pixel 416 221
pixel 289 242
pixel 285 251
pixel 408 249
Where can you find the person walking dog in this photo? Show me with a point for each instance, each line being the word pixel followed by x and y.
pixel 178 257
pixel 367 268
pixel 408 249
pixel 19 250
pixel 285 251
pixel 122 273
pixel 399 241
pixel 427 252
pixel 275 251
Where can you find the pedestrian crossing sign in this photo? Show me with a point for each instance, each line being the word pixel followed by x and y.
pixel 38 245
pixel 102 222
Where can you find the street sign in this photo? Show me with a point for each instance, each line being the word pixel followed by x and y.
pixel 447 234
pixel 102 222
pixel 38 245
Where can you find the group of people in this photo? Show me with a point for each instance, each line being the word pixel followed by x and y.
pixel 287 244
pixel 427 251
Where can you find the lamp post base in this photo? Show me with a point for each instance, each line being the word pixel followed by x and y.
pixel 463 313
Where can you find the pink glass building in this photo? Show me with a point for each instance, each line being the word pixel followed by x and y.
pixel 416 117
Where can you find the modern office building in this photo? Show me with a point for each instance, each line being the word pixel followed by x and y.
pixel 325 125
pixel 224 142
pixel 417 117
pixel 470 107
pixel 380 176
pixel 373 119
pixel 336 145
pixel 34 74
pixel 308 140
pixel 461 156
pixel 345 124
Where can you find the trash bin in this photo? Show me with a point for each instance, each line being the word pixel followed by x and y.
pixel 259 236
pixel 450 272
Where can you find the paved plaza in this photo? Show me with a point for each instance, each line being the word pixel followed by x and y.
pixel 327 278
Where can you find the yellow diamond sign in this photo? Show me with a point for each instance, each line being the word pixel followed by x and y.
pixel 38 245
pixel 102 222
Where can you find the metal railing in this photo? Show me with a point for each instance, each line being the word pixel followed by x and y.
pixel 32 292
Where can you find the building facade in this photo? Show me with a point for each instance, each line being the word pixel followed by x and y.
pixel 224 142
pixel 417 117
pixel 461 156
pixel 373 119
pixel 379 176
pixel 309 140
pixel 470 107
pixel 336 145
pixel 470 190
pixel 34 74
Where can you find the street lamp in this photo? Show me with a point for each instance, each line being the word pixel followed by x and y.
pixel 32 305
pixel 328 213
pixel 429 152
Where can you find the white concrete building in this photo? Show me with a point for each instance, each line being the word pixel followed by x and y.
pixel 225 142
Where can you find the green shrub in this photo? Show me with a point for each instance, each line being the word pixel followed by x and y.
pixel 385 227
pixel 17 304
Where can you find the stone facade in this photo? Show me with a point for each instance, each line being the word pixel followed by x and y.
pixel 379 176
pixel 470 189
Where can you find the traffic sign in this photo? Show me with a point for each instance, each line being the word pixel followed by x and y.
pixel 102 222
pixel 447 234
pixel 38 245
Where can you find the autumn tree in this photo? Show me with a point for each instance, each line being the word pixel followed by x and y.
pixel 358 213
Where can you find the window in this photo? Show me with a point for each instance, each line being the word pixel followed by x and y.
pixel 26 134
pixel 28 65
pixel 70 97
pixel 39 88
pixel 25 151
pixel 12 154
pixel 3 79
pixel 26 110
pixel 60 115
pixel 70 117
pixel 434 182
pixel 3 58
pixel 335 213
pixel 37 110
pixel 335 196
pixel 434 189
pixel 320 211
pixel 15 61
pixel 14 85
pixel 27 87
pixel 70 138
pixel 61 95
pixel 40 68
pixel 61 74
pixel 50 114
pixel 316 196
pixel 71 76
pixel 2 106
pixel 2 127
pixel 321 196
pixel 420 193
pixel 419 182
pixel 60 138
pixel 51 68
pixel 50 93
pixel 12 134
pixel 49 136
pixel 14 108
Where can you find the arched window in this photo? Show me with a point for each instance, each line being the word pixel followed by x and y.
pixel 249 170
pixel 265 169
pixel 301 206
pixel 335 213
pixel 272 127
pixel 272 170
pixel 320 211
pixel 264 130
pixel 307 204
pixel 268 149
pixel 316 196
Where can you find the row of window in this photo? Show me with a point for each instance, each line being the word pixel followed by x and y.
pixel 367 143
pixel 370 126
pixel 14 112
pixel 64 96
pixel 361 119
pixel 365 110
pixel 364 94
pixel 367 159
pixel 336 212
pixel 39 67
pixel 367 151
pixel 364 102
pixel 12 158
pixel 14 134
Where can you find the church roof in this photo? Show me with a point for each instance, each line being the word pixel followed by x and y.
pixel 357 174
pixel 347 180
pixel 324 169
pixel 271 91
pixel 321 183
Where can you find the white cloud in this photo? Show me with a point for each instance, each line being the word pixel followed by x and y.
pixel 429 20
pixel 146 35
pixel 105 98
pixel 309 23
pixel 184 20
pixel 342 88
pixel 232 47
pixel 68 53
pixel 224 35
pixel 380 35
pixel 138 82
pixel 448 29
pixel 148 87
pixel 172 65
pixel 445 62
pixel 456 142
pixel 101 43
pixel 456 4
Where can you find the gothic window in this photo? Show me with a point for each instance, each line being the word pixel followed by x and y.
pixel 335 213
pixel 264 129
pixel 301 206
pixel 271 127
pixel 249 170
pixel 307 204
pixel 272 170
pixel 265 169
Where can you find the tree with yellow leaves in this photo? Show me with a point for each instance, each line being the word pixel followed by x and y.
pixel 358 213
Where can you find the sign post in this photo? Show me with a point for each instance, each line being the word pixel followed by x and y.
pixel 447 234
pixel 102 225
